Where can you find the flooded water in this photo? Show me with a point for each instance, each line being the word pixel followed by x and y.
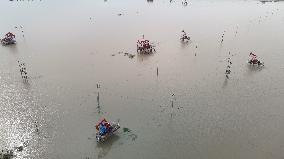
pixel 174 103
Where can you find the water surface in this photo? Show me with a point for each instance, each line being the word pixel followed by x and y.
pixel 190 110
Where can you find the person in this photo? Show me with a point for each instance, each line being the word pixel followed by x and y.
pixel 102 129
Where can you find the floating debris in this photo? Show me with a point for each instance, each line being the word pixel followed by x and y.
pixel 130 134
pixel 23 71
pixel 20 148
pixel 126 130
pixel 129 55
pixel 157 71
pixel 265 1
pixel 195 50
pixel 228 69
pixel 21 29
pixel 98 104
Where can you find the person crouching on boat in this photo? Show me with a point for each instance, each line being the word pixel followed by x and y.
pixel 102 129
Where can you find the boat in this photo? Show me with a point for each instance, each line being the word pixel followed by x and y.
pixel 8 39
pixel 144 46
pixel 110 131
pixel 256 62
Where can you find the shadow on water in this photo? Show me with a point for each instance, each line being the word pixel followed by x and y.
pixel 184 44
pixel 220 47
pixel 105 147
pixel 12 48
pixel 27 84
pixel 225 83
pixel 142 57
pixel 123 136
pixel 253 68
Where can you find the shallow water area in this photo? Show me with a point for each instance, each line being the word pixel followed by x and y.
pixel 82 65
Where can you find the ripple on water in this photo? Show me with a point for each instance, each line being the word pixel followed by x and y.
pixel 24 121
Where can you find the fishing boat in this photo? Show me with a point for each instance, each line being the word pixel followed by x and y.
pixel 105 130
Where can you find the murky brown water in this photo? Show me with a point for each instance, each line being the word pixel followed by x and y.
pixel 188 111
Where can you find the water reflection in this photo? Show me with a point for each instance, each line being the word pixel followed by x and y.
pixel 144 57
pixel 225 83
pixel 184 44
pixel 63 64
pixel 12 48
pixel 254 68
pixel 104 148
